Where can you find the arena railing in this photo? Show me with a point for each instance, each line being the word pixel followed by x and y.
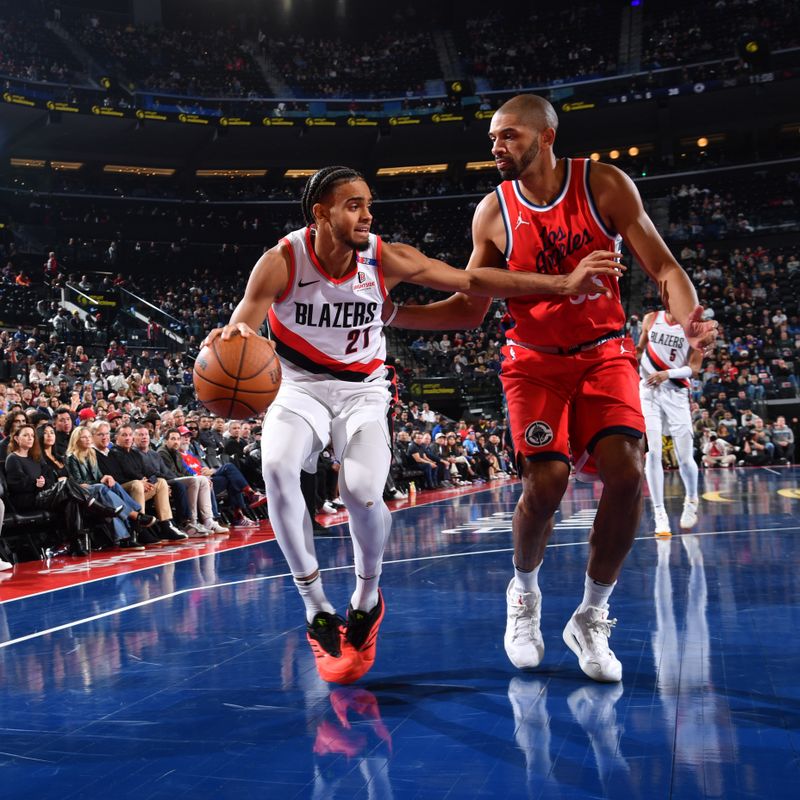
pixel 354 112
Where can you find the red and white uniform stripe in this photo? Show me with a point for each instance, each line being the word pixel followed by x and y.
pixel 666 348
pixel 330 327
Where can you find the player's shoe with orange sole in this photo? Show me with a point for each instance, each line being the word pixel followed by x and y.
pixel 325 634
pixel 360 640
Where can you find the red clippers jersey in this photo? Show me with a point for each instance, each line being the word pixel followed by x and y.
pixel 552 240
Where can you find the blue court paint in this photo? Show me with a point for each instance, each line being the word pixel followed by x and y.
pixel 194 679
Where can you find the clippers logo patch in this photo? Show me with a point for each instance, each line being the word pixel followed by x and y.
pixel 538 434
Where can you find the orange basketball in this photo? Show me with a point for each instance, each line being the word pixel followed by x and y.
pixel 237 378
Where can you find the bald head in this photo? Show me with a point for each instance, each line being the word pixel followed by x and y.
pixel 532 110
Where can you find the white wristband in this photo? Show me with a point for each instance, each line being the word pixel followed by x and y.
pixel 680 372
pixel 389 321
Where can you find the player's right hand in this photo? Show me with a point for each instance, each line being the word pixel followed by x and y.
pixel 231 329
pixel 585 278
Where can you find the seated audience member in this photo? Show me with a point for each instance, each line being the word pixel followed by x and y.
pixel 127 467
pixel 82 466
pixel 198 487
pixel 33 485
pixel 783 440
pixel 155 468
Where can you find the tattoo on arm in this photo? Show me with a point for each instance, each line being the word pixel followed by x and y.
pixel 663 290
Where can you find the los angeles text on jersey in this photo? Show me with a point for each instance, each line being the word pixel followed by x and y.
pixel 666 339
pixel 335 315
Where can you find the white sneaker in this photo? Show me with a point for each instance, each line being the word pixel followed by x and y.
pixel 662 522
pixel 329 508
pixel 398 495
pixel 5 565
pixel 214 527
pixel 194 530
pixel 689 515
pixel 523 639
pixel 586 634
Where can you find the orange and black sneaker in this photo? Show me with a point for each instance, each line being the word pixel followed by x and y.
pixel 325 634
pixel 360 639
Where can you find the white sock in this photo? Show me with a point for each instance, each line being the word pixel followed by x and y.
pixel 527 581
pixel 313 596
pixel 365 596
pixel 595 593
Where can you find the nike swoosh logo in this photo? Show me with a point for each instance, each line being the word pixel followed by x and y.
pixel 307 283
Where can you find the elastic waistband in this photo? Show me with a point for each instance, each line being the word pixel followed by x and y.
pixel 569 351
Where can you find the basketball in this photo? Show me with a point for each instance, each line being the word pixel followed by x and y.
pixel 237 378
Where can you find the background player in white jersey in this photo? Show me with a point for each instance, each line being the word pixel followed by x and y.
pixel 666 365
pixel 323 289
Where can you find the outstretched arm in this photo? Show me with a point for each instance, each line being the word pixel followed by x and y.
pixel 618 201
pixel 483 278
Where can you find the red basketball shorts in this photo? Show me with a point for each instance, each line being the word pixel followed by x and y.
pixel 560 406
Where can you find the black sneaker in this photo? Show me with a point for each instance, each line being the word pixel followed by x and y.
pixel 325 630
pixel 362 624
pixel 130 544
pixel 145 521
pixel 168 532
pixel 146 536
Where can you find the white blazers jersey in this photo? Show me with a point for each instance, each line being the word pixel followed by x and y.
pixel 667 348
pixel 330 326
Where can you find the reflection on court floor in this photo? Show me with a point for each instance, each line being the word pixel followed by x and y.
pixel 193 678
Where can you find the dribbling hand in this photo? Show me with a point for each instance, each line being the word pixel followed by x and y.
pixel 231 329
pixel 585 278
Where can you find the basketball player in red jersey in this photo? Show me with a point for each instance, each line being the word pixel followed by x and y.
pixel 569 373
pixel 323 289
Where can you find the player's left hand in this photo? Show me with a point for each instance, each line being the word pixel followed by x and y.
pixel 657 378
pixel 701 334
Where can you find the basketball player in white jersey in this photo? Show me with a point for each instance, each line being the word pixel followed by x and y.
pixel 666 365
pixel 323 288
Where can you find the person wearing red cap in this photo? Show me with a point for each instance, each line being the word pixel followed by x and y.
pixel 86 415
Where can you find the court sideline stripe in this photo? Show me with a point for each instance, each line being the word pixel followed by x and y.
pixel 142 603
pixel 227 549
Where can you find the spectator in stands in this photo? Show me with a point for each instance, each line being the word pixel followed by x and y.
pixel 198 487
pixel 783 440
pixel 236 450
pixel 33 486
pixel 63 427
pixel 82 466
pixel 11 425
pixel 416 451
pixel 155 468
pixel 224 477
pixel 127 467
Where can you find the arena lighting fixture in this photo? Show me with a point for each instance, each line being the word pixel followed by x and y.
pixel 702 142
pixel 230 173
pixel 474 166
pixel 420 169
pixel 614 155
pixel 595 156
pixel 66 165
pixel 633 151
pixel 27 162
pixel 150 172
pixel 299 173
